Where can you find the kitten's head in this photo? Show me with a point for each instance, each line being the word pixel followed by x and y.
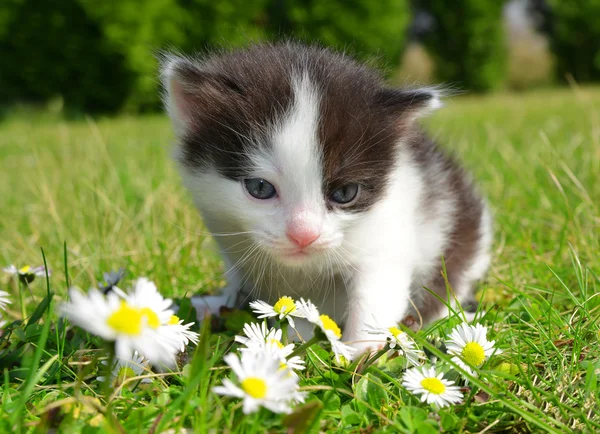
pixel 287 143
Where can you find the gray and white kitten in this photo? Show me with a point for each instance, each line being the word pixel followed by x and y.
pixel 317 182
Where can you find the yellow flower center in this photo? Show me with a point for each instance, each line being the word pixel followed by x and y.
pixel 395 331
pixel 329 324
pixel 124 373
pixel 285 305
pixel 126 320
pixel 151 317
pixel 433 385
pixel 473 354
pixel 173 320
pixel 275 342
pixel 255 387
pixel 25 269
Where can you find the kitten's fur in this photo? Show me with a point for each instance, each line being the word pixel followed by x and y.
pixel 310 121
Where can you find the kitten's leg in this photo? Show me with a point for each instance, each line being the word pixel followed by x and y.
pixel 477 269
pixel 211 304
pixel 463 275
pixel 379 298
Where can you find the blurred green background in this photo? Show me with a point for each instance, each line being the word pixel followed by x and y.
pixel 98 55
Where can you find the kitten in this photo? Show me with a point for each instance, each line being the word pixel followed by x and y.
pixel 317 182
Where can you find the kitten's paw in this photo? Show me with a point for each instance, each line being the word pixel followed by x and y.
pixel 209 305
pixel 471 310
pixel 472 316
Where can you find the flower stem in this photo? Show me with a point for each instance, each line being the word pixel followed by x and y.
pixel 374 358
pixel 22 298
pixel 305 346
pixel 108 384
pixel 284 332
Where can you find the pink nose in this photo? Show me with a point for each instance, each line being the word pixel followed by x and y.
pixel 302 238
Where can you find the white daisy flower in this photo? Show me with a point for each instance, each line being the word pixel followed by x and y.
pixel 4 300
pixel 432 387
pixel 260 339
pixel 330 329
pixel 470 347
pixel 27 272
pixel 261 383
pixel 342 352
pixel 145 296
pixel 256 334
pixel 180 332
pixel 115 319
pixel 285 308
pixel 399 341
pixel 292 364
pixel 125 368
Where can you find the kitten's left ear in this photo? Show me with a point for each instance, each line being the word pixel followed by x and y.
pixel 411 104
pixel 191 92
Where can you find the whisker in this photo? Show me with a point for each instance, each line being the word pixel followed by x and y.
pixel 207 232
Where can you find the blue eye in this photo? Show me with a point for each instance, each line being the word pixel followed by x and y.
pixel 260 188
pixel 345 194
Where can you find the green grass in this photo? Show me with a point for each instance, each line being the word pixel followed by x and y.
pixel 108 189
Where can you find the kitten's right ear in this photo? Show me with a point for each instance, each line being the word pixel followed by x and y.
pixel 409 104
pixel 189 91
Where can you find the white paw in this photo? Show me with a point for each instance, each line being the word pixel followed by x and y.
pixel 209 305
pixel 470 316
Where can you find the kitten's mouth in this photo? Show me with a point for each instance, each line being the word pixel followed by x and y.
pixel 294 257
pixel 297 254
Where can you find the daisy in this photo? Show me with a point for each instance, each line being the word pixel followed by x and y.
pixel 261 383
pixel 292 364
pixel 145 296
pixel 400 342
pixel 115 319
pixel 157 309
pixel 125 368
pixel 181 332
pixel 259 339
pixel 330 329
pixel 26 273
pixel 432 386
pixel 285 308
pixel 469 346
pixel 4 299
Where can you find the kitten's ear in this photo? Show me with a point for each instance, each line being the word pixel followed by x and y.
pixel 409 105
pixel 189 91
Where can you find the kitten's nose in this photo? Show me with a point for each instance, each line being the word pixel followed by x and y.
pixel 304 228
pixel 302 238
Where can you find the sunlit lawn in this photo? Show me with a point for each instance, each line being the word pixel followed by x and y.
pixel 109 190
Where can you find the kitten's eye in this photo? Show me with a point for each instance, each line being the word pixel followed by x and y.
pixel 346 194
pixel 260 188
